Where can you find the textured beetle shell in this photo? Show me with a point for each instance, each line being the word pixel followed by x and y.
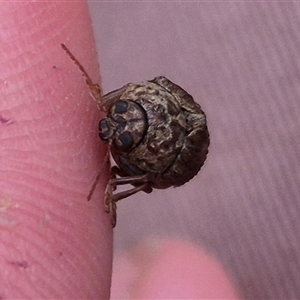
pixel 175 144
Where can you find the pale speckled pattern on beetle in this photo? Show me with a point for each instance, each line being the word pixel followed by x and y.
pixel 157 135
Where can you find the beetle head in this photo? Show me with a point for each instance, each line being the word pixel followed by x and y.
pixel 125 125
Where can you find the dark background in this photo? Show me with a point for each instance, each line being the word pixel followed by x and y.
pixel 240 61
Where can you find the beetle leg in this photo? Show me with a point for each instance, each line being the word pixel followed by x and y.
pixel 117 171
pixel 111 200
pixel 140 182
pixel 105 160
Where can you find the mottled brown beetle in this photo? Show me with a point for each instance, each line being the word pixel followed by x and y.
pixel 156 133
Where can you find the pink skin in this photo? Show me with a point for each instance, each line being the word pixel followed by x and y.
pixel 53 243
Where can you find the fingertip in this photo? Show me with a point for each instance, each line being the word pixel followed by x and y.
pixel 172 269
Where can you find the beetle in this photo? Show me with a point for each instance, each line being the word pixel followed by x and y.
pixel 156 133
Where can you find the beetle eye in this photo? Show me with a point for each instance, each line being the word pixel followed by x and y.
pixel 121 107
pixel 126 141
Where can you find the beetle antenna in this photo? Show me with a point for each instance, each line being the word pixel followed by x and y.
pixel 93 87
pixel 79 65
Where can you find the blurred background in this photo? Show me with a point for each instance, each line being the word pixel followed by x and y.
pixel 240 61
